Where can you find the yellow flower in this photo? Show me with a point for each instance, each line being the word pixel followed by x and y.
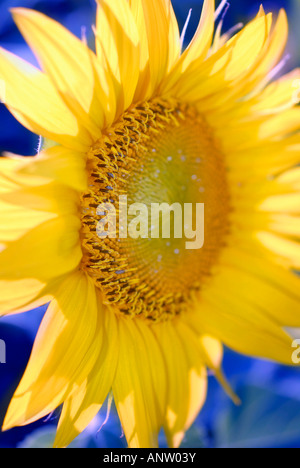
pixel 141 118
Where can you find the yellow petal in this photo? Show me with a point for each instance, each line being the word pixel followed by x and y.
pixel 69 64
pixel 155 62
pixel 201 42
pixel 11 179
pixel 198 48
pixel 17 221
pixel 286 203
pixel 134 390
pixel 283 280
pixel 275 98
pixel 269 159
pixel 237 321
pixel 33 100
pixel 212 350
pixel 61 353
pixel 156 24
pixel 143 86
pixel 196 378
pixel 274 49
pixel 79 410
pixel 256 76
pixel 21 295
pixel 229 63
pixel 174 35
pixel 248 46
pixel 271 298
pixel 280 125
pixel 186 379
pixel 47 251
pixel 52 198
pixel 282 247
pixel 291 177
pixel 285 224
pixel 25 203
pixel 156 367
pixel 59 164
pixel 118 40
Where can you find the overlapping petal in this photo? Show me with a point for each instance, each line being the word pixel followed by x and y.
pixel 134 387
pixel 157 24
pixel 34 101
pixel 85 402
pixel 118 44
pixel 62 354
pixel 73 74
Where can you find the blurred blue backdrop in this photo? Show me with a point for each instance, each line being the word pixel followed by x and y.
pixel 269 415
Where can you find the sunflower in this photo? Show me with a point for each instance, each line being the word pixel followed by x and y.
pixel 143 319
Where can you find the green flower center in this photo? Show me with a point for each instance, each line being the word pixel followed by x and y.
pixel 160 171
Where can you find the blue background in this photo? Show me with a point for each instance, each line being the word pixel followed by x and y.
pixel 270 413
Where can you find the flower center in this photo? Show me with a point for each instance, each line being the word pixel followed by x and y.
pixel 158 182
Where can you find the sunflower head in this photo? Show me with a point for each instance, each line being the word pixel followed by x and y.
pixel 192 159
pixel 158 154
